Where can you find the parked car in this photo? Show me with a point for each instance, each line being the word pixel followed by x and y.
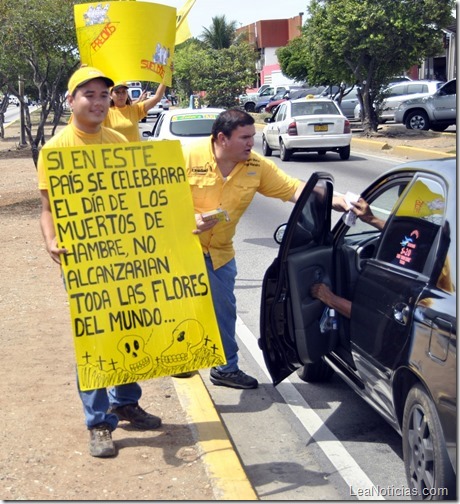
pixel 349 102
pixel 398 348
pixel 163 104
pixel 398 78
pixel 185 125
pixel 307 125
pixel 397 93
pixel 262 103
pixel 437 111
pixel 294 95
pixel 248 102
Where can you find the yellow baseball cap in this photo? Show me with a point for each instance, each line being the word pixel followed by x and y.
pixel 84 75
pixel 120 84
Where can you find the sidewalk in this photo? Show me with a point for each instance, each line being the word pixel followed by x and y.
pixel 44 453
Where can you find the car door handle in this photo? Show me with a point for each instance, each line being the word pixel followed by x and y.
pixel 401 313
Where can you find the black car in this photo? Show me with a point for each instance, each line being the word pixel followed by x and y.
pixel 398 348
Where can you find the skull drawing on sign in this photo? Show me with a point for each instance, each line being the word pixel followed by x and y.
pixel 136 360
pixel 186 337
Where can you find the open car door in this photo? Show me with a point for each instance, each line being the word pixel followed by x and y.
pixel 289 321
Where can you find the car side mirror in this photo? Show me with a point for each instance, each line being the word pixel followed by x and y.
pixel 146 134
pixel 279 233
pixel 268 119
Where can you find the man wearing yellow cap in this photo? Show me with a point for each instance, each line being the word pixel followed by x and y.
pixel 89 99
pixel 124 116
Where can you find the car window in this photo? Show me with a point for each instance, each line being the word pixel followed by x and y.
pixel 199 126
pixel 157 127
pixel 311 108
pixel 411 234
pixel 450 88
pixel 398 90
pixel 381 206
pixel 280 113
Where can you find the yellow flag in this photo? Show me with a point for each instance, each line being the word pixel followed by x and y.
pixel 183 32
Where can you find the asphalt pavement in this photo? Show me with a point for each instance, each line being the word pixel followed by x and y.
pixel 226 473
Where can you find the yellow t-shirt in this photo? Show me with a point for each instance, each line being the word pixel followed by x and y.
pixel 70 136
pixel 125 120
pixel 211 191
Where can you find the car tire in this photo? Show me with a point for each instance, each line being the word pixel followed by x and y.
pixel 285 154
pixel 321 153
pixel 318 372
pixel 266 151
pixel 249 107
pixel 144 119
pixel 417 120
pixel 426 460
pixel 344 152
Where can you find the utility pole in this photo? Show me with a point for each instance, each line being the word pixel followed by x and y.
pixel 22 141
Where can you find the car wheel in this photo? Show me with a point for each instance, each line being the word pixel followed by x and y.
pixel 417 120
pixel 266 151
pixel 344 152
pixel 425 456
pixel 249 107
pixel 144 119
pixel 321 152
pixel 317 372
pixel 285 154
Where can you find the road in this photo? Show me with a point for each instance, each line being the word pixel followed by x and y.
pixel 301 441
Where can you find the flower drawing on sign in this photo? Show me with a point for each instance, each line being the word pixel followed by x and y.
pixel 161 54
pixel 96 15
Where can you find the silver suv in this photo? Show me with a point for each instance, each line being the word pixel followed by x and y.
pixel 436 111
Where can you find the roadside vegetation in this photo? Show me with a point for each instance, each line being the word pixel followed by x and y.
pixel 358 42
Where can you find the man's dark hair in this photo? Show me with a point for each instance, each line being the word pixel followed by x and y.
pixel 229 120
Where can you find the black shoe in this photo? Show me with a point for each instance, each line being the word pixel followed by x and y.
pixel 136 416
pixel 237 379
pixel 100 441
pixel 186 374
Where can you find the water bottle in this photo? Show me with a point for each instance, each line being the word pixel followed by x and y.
pixel 328 321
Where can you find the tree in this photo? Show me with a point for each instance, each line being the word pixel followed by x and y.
pixel 366 42
pixel 38 43
pixel 222 73
pixel 221 34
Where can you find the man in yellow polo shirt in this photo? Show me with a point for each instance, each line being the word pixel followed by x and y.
pixel 89 99
pixel 225 173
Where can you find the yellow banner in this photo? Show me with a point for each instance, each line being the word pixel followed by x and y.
pixel 139 294
pixel 127 40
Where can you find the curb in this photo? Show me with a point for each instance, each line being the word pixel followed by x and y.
pixel 226 474
pixel 400 150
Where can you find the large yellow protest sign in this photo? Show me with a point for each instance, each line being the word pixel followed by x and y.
pixel 127 40
pixel 138 289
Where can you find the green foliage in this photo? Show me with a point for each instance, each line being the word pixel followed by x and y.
pixel 223 74
pixel 38 43
pixel 221 34
pixel 365 41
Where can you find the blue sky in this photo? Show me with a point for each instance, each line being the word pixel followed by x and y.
pixel 244 12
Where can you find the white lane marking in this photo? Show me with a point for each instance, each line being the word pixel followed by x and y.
pixel 334 450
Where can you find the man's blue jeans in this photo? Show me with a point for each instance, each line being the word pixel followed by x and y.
pixel 97 402
pixel 222 281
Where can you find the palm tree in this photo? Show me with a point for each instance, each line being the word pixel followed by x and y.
pixel 220 35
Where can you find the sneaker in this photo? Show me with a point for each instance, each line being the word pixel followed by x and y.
pixel 136 416
pixel 237 379
pixel 100 441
